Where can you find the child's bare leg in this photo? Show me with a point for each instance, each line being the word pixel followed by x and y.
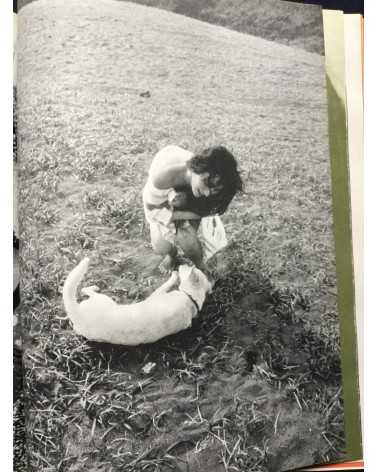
pixel 187 239
pixel 164 248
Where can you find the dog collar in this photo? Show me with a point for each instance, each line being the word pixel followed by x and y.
pixel 192 300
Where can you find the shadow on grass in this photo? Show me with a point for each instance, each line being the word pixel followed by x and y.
pixel 248 367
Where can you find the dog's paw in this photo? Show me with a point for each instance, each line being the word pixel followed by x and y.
pixel 166 265
pixel 89 290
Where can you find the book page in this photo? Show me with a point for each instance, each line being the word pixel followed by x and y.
pixel 353 75
pixel 228 364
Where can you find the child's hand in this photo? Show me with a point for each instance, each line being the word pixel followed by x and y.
pixel 177 199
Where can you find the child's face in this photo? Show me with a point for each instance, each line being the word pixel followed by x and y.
pixel 205 184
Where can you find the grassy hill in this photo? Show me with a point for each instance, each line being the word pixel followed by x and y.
pixel 254 385
pixel 285 22
pixel 288 23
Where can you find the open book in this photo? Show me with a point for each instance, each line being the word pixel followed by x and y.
pixel 117 104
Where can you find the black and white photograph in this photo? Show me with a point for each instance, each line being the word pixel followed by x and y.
pixel 177 256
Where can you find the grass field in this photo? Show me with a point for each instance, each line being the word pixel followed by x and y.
pixel 288 23
pixel 255 384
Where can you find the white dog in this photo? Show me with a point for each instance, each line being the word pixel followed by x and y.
pixel 166 311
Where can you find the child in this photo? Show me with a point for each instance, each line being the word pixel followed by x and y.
pixel 209 181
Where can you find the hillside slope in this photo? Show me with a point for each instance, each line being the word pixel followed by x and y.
pixel 289 23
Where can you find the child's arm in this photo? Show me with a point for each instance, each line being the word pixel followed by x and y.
pixel 178 204
pixel 170 176
pixel 184 215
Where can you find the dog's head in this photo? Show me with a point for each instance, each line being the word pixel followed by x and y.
pixel 194 282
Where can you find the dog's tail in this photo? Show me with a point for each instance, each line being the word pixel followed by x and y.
pixel 70 288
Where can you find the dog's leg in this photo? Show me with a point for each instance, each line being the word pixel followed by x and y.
pixel 167 286
pixel 90 290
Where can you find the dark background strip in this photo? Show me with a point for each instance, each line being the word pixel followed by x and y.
pixel 348 6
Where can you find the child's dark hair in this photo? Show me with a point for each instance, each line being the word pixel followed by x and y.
pixel 220 162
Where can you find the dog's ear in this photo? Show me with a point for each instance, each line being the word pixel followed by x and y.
pixel 211 286
pixel 193 276
pixel 212 281
pixel 185 271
